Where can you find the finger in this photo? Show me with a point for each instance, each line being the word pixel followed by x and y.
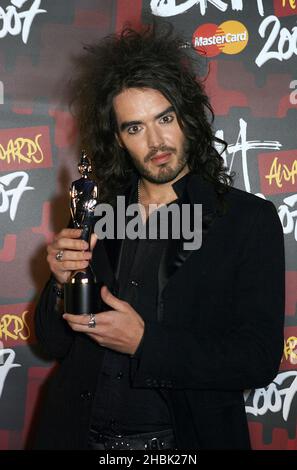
pixel 80 321
pixel 112 300
pixel 69 233
pixel 70 244
pixel 102 318
pixel 107 318
pixel 79 328
pixel 69 255
pixel 72 265
pixel 93 241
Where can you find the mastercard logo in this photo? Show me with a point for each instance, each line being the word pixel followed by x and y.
pixel 230 37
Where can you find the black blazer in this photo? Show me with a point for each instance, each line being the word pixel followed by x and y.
pixel 219 328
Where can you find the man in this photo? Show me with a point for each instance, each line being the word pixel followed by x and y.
pixel 185 332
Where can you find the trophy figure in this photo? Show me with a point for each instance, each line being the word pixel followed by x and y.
pixel 82 291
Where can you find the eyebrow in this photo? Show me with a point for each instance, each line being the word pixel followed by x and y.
pixel 126 124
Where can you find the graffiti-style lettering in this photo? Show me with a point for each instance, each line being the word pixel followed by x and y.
pixel 287 41
pixel 171 8
pixel 280 171
pixel 291 3
pixel 15 21
pixel 22 150
pixel 10 197
pixel 7 357
pixel 14 327
pixel 273 398
pixel 290 349
pixel 287 217
pixel 243 146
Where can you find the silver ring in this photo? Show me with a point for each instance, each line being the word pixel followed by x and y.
pixel 59 255
pixel 92 321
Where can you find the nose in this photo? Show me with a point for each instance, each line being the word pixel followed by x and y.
pixel 154 137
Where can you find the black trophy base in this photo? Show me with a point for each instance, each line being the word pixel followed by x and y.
pixel 82 298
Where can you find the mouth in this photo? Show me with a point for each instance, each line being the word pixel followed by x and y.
pixel 161 158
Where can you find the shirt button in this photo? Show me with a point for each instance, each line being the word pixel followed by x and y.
pixel 134 283
pixel 120 375
pixel 86 395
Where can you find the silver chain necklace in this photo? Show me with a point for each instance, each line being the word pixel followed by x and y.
pixel 138 192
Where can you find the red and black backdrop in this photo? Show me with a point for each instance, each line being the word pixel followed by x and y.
pixel 248 52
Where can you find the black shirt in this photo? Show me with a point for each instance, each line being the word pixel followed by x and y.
pixel 119 407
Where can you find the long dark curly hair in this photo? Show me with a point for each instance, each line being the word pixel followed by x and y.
pixel 151 58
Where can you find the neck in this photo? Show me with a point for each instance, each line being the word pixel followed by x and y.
pixel 152 193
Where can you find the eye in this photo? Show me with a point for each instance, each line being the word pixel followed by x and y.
pixel 167 119
pixel 133 129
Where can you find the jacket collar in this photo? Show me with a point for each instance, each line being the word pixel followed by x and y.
pixel 198 191
pixel 191 188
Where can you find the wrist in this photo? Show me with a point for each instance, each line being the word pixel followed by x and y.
pixel 139 346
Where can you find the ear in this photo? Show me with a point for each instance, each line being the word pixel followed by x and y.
pixel 119 140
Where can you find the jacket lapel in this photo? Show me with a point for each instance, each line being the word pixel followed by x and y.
pixel 197 191
pixel 114 247
pixel 194 190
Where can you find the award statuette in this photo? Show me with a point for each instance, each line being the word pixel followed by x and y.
pixel 82 291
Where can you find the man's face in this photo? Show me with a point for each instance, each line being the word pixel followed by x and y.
pixel 148 129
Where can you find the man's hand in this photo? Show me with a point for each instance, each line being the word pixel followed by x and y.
pixel 75 254
pixel 120 329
